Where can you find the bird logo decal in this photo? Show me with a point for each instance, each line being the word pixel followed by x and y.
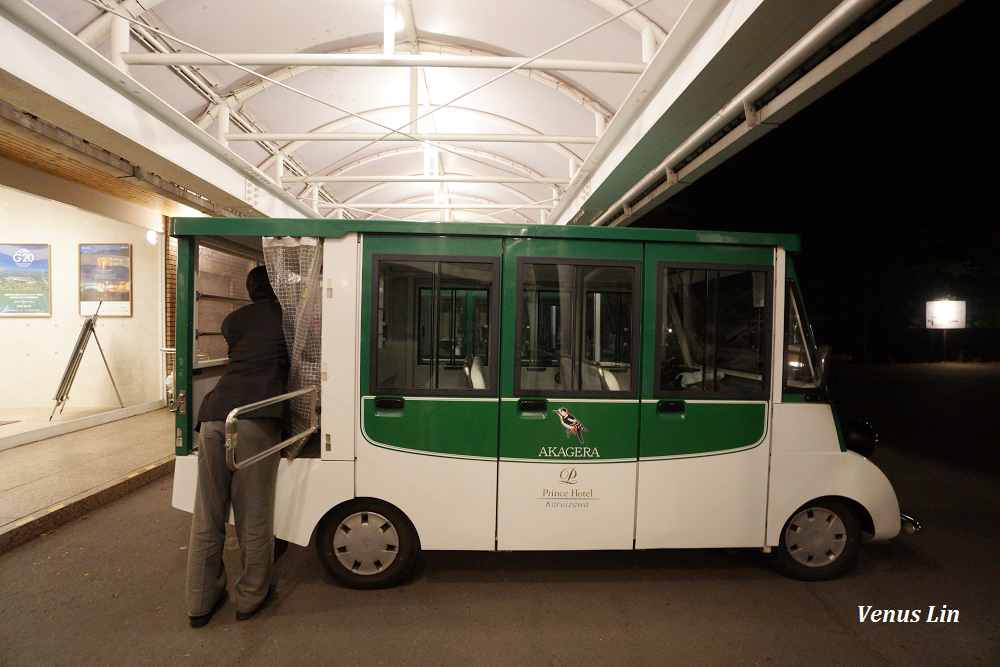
pixel 571 424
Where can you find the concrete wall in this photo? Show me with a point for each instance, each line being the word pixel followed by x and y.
pixel 34 350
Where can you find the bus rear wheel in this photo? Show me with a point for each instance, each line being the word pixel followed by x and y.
pixel 367 543
pixel 819 541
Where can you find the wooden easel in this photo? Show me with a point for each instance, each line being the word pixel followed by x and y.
pixel 86 331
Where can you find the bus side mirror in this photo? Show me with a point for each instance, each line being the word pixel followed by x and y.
pixel 821 374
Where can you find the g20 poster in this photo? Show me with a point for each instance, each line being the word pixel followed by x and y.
pixel 25 289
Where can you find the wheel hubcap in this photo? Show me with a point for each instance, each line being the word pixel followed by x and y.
pixel 366 543
pixel 815 537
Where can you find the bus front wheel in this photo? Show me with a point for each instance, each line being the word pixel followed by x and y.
pixel 819 541
pixel 367 543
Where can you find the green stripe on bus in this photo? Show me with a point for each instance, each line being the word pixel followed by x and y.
pixel 451 427
pixel 702 428
pixel 608 431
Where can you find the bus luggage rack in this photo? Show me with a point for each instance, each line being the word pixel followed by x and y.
pixel 231 431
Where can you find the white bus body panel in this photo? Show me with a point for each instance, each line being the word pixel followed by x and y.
pixel 305 490
pixel 807 463
pixel 565 505
pixel 450 501
pixel 341 331
pixel 707 501
pixel 185 482
pixel 804 427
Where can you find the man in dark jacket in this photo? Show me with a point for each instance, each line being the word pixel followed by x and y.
pixel 258 369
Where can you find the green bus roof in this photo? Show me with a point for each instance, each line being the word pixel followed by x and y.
pixel 337 228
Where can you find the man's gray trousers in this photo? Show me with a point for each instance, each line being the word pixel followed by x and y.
pixel 251 493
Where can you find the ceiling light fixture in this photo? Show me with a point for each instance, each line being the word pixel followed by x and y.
pixel 431 156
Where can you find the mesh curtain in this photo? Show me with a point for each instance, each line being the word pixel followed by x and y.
pixel 294 266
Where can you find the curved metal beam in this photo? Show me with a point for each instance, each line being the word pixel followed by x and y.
pixel 635 19
pixel 373 60
pixel 415 203
pixel 404 204
pixel 421 137
pixel 558 84
pixel 458 151
pixel 355 198
pixel 333 125
pixel 421 178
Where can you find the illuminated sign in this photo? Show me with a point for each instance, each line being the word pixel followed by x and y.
pixel 945 314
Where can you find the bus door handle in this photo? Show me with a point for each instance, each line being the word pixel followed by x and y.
pixel 388 405
pixel 670 408
pixel 532 405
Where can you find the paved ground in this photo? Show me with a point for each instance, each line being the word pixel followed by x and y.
pixel 44 484
pixel 107 588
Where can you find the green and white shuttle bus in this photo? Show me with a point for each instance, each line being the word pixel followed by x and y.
pixel 504 387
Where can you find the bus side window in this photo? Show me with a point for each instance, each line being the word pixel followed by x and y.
pixel 575 327
pixel 433 322
pixel 713 331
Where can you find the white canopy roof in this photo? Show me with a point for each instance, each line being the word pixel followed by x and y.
pixel 520 111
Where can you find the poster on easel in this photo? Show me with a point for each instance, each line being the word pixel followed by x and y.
pixel 25 280
pixel 106 278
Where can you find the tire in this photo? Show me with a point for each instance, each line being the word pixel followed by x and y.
pixel 819 541
pixel 367 543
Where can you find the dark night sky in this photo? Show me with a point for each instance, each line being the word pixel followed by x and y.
pixel 892 181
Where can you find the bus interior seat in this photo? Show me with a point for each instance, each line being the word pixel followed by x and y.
pixel 595 378
pixel 693 378
pixel 467 369
pixel 565 377
pixel 477 375
pixel 608 380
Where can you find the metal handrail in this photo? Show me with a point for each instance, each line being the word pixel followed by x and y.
pixel 231 432
pixel 216 297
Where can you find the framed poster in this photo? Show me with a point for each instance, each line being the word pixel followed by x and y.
pixel 106 279
pixel 25 275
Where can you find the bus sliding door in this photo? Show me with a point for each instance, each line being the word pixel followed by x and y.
pixel 428 384
pixel 703 452
pixel 569 408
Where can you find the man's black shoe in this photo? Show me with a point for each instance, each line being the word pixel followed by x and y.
pixel 198 621
pixel 244 615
